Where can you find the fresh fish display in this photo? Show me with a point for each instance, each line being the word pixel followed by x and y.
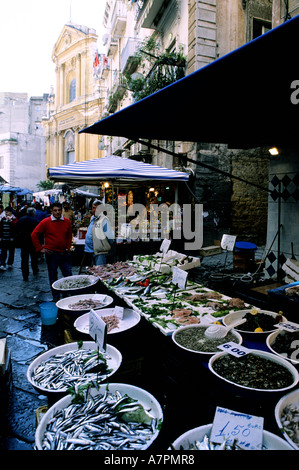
pixel 86 304
pixel 62 371
pixel 207 444
pixel 290 421
pixel 111 321
pixel 109 421
pixel 76 283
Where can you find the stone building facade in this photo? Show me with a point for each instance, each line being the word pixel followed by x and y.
pixel 77 102
pixel 22 142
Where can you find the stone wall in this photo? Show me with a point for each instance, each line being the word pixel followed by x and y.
pixel 229 205
pixel 249 204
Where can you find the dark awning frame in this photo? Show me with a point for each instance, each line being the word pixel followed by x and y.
pixel 242 99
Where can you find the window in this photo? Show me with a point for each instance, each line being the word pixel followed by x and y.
pixel 260 27
pixel 72 90
pixel 1 162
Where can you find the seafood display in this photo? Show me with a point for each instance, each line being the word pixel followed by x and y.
pixel 86 304
pixel 286 344
pixel 112 420
pixel 253 371
pixel 74 282
pixel 111 321
pixel 290 421
pixel 194 339
pixel 71 365
pixel 207 444
pixel 257 321
pixel 61 371
pixel 108 271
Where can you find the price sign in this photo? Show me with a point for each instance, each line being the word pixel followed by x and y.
pixel 179 277
pixel 118 312
pixel 165 245
pixel 228 242
pixel 288 326
pixel 234 349
pixel 98 330
pixel 246 431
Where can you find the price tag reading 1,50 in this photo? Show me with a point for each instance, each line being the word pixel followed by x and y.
pixel 234 349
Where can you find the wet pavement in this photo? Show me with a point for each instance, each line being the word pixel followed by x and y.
pixel 162 371
pixel 20 323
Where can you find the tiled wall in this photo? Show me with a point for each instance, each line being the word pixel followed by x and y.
pixel 284 170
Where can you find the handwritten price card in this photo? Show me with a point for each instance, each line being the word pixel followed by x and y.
pixel 246 431
pixel 98 330
pixel 179 277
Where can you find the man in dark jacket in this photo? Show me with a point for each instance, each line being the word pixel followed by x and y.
pixel 24 228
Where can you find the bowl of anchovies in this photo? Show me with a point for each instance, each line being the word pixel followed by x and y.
pixel 111 417
pixel 285 343
pixel 192 338
pixel 71 365
pixel 199 439
pixel 80 282
pixel 287 417
pixel 256 371
pixel 259 323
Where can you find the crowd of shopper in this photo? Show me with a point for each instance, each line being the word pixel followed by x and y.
pixel 39 232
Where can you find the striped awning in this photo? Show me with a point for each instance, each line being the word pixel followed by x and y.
pixel 113 168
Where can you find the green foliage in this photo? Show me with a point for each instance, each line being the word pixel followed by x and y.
pixel 157 70
pixel 46 184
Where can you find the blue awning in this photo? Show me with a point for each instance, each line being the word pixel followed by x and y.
pixel 113 168
pixel 242 99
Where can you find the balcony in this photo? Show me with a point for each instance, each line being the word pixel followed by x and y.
pixel 128 61
pixel 150 12
pixel 119 18
pixel 117 93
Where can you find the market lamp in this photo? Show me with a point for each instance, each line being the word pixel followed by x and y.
pixel 273 151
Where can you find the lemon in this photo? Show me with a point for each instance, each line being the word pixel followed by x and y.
pixel 258 330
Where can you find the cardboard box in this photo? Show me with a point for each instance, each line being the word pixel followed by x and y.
pixel 210 250
pixel 291 268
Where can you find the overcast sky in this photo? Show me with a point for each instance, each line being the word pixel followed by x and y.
pixel 28 32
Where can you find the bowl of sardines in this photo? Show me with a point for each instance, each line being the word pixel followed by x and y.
pixel 287 417
pixel 80 283
pixel 256 371
pixel 258 325
pixel 285 343
pixel 199 439
pixel 111 417
pixel 72 365
pixel 193 339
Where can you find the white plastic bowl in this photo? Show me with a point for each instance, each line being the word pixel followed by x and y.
pixel 290 398
pixel 113 363
pixel 270 440
pixel 148 401
pixel 238 314
pixel 238 339
pixel 265 355
pixel 93 280
pixel 270 340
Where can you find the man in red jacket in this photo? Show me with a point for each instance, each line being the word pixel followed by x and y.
pixel 56 231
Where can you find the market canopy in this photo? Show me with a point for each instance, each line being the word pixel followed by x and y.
pixel 245 99
pixel 6 188
pixel 113 168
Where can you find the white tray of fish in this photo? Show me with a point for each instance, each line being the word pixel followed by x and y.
pixel 130 319
pixel 74 283
pixel 84 302
pixel 66 366
pixel 114 417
